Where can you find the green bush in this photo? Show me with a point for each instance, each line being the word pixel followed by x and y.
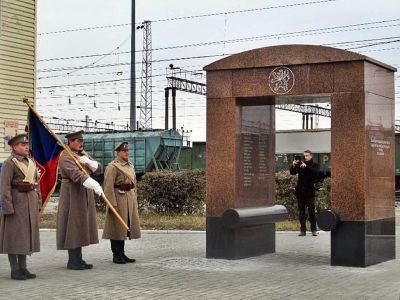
pixel 323 196
pixel 169 192
pixel 286 193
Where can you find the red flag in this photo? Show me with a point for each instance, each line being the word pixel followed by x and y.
pixel 46 153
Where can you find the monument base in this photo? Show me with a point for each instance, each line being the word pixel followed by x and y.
pixel 237 243
pixel 363 243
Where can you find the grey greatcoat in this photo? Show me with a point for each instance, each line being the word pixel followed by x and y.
pixel 76 217
pixel 125 202
pixel 19 224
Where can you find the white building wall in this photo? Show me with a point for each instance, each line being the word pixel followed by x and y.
pixel 296 141
pixel 17 63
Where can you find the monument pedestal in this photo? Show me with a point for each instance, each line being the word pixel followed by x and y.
pixel 243 232
pixel 363 243
pixel 236 243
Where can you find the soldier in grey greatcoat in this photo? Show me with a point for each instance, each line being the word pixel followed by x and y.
pixel 120 189
pixel 76 217
pixel 19 223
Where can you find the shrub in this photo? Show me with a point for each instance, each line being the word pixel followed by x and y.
pixel 286 193
pixel 323 196
pixel 169 192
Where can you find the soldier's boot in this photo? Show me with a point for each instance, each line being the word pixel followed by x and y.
pixel 15 272
pixel 122 251
pixel 73 260
pixel 115 248
pixel 23 269
pixel 87 266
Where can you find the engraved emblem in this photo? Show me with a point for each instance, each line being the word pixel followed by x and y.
pixel 281 80
pixel 41 170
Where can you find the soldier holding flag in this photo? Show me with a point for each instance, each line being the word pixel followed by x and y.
pixel 76 218
pixel 19 224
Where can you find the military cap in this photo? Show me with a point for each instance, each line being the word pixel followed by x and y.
pixel 75 135
pixel 122 146
pixel 20 138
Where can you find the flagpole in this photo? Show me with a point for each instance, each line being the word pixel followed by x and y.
pixel 70 153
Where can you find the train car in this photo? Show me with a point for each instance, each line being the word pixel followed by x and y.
pixel 193 157
pixel 185 158
pixel 149 149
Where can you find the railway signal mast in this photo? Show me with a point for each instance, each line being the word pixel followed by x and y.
pixel 145 104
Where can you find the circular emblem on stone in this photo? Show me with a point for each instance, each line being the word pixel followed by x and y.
pixel 281 80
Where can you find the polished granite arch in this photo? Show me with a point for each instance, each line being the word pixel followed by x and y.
pixel 242 90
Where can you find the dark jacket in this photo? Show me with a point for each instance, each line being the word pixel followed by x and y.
pixel 307 178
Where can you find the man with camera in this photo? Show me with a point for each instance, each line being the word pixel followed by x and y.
pixel 308 171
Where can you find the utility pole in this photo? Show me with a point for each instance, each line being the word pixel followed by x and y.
pixel 145 117
pixel 173 108
pixel 166 107
pixel 132 111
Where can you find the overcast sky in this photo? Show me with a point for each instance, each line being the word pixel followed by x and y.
pixel 381 20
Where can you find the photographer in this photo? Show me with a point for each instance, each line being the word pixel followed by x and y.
pixel 308 171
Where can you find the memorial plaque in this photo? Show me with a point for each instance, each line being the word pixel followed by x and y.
pixel 256 164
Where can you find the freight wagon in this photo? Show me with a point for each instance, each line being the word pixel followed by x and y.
pixel 149 149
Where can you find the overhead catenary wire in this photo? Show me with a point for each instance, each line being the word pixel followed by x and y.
pixel 128 63
pixel 91 83
pixel 124 71
pixel 172 59
pixel 382 49
pixel 187 17
pixel 242 11
pixel 99 59
pixel 270 36
pixel 374 44
pixel 128 52
pixel 361 41
pixel 84 29
pixel 335 29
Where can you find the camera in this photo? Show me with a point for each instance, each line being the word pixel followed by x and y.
pixel 297 157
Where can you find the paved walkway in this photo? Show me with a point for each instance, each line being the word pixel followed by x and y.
pixel 172 265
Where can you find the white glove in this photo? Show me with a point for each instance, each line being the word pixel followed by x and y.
pixel 92 164
pixel 92 184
